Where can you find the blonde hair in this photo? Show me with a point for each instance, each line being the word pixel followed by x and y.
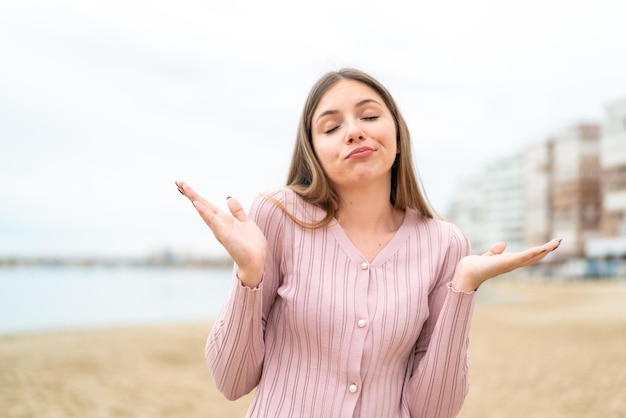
pixel 307 178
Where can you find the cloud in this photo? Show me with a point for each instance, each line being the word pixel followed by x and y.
pixel 104 104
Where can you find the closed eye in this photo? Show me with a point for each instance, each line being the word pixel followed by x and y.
pixel 331 130
pixel 370 118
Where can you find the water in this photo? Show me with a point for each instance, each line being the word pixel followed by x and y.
pixel 34 299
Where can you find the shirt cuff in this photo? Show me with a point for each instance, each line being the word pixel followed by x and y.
pixel 460 291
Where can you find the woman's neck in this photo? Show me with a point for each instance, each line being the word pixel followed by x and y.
pixel 368 211
pixel 369 220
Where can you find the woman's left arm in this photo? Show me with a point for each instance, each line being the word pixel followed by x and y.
pixel 439 382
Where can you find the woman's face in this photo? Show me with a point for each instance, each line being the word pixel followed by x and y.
pixel 354 135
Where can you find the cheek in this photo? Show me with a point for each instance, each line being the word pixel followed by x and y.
pixel 323 152
pixel 388 138
pixel 393 138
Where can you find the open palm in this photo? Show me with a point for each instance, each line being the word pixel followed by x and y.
pixel 473 270
pixel 240 236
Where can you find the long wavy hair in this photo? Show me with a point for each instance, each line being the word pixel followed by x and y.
pixel 306 176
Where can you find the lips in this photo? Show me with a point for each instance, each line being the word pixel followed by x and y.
pixel 360 152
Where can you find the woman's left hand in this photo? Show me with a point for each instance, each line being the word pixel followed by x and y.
pixel 473 270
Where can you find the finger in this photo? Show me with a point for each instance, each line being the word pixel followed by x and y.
pixel 497 248
pixel 198 201
pixel 207 211
pixel 186 190
pixel 536 254
pixel 543 250
pixel 235 208
pixel 180 185
pixel 553 245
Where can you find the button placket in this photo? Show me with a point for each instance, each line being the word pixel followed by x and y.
pixel 361 322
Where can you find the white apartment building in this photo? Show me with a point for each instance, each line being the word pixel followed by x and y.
pixel 467 211
pixel 490 206
pixel 537 177
pixel 503 199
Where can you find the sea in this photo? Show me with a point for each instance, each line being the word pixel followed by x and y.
pixel 36 299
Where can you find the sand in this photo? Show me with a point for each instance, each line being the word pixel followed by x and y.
pixel 543 350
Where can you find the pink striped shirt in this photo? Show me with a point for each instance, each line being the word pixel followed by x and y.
pixel 328 334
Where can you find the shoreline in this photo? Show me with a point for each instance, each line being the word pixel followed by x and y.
pixel 555 349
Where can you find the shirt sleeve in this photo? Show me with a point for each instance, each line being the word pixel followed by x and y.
pixel 235 346
pixel 438 373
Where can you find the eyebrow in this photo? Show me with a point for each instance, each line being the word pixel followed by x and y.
pixel 332 112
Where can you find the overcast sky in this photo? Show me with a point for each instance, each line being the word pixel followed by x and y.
pixel 103 104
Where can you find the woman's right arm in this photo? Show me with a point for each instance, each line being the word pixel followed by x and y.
pixel 235 347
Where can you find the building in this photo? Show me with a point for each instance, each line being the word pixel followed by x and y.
pixel 571 186
pixel 575 188
pixel 503 198
pixel 612 241
pixel 467 211
pixel 613 161
pixel 537 180
pixel 489 207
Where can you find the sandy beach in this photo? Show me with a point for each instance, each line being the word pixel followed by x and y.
pixel 537 350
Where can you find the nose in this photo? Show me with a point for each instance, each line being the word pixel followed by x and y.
pixel 354 133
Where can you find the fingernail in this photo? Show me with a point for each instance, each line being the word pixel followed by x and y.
pixel 228 197
pixel 180 188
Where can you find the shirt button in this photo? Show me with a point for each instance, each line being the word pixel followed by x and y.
pixel 352 388
pixel 364 265
pixel 361 323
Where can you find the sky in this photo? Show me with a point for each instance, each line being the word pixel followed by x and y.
pixel 104 104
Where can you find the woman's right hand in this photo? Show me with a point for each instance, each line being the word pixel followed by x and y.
pixel 239 235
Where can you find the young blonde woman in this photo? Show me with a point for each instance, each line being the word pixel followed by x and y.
pixel 349 298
